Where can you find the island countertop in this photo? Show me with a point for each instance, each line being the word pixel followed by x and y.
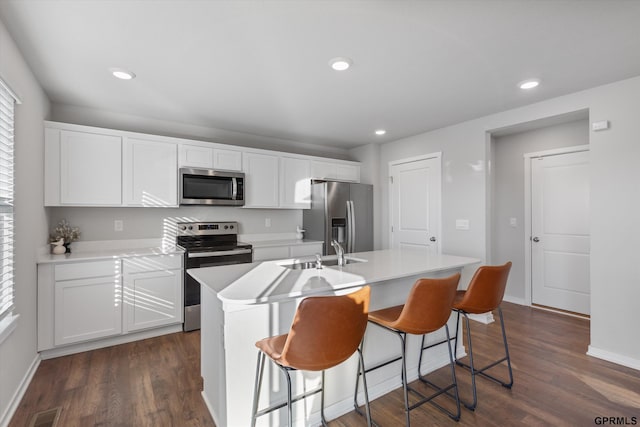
pixel 270 281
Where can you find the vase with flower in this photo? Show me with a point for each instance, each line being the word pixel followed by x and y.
pixel 64 234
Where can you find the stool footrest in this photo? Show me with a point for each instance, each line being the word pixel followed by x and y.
pixel 484 374
pixel 283 404
pixel 424 399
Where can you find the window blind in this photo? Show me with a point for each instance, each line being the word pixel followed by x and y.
pixel 7 102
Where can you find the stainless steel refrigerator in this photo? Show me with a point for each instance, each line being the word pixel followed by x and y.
pixel 341 211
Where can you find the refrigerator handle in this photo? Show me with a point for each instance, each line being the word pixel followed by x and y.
pixel 352 227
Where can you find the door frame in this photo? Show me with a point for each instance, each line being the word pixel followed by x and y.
pixel 528 157
pixel 435 155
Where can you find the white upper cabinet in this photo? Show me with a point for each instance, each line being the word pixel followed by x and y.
pixel 230 160
pixel 150 173
pixel 334 170
pixel 82 169
pixel 199 156
pixel 295 184
pixel 195 156
pixel 87 166
pixel 261 180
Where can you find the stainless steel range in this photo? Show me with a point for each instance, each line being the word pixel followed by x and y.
pixel 207 244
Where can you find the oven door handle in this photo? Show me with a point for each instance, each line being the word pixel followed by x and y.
pixel 218 253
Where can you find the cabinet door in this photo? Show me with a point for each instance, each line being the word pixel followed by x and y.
pixel 152 299
pixel 150 173
pixel 230 160
pixel 295 184
pixel 87 309
pixel 90 169
pixel 323 170
pixel 261 180
pixel 195 156
pixel 348 172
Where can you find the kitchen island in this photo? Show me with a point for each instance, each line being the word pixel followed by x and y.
pixel 244 303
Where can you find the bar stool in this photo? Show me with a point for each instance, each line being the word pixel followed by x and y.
pixel 426 310
pixel 326 331
pixel 484 294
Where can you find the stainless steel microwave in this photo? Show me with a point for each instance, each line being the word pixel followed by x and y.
pixel 211 187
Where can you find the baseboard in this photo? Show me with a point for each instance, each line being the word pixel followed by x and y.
pixel 108 342
pixel 17 396
pixel 618 359
pixel 514 300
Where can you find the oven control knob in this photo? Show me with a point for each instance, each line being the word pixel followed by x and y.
pixel 231 227
pixel 226 227
pixel 183 227
pixel 191 227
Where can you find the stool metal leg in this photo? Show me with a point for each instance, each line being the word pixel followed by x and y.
pixel 405 387
pixel 258 385
pixel 440 390
pixel 362 371
pixel 289 405
pixel 481 371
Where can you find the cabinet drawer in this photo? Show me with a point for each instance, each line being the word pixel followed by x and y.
pixel 81 270
pixel 305 250
pixel 152 263
pixel 270 253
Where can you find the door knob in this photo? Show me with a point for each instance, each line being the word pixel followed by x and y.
pixel 433 239
pixel 535 239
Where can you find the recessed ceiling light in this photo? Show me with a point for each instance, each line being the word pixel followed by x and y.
pixel 122 74
pixel 380 132
pixel 529 84
pixel 340 63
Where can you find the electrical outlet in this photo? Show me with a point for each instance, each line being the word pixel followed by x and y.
pixel 267 222
pixel 118 225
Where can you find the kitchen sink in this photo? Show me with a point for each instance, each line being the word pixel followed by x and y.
pixel 325 262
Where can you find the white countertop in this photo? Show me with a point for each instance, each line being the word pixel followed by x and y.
pixel 266 282
pixel 109 249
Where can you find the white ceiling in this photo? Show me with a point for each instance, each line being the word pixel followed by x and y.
pixel 262 66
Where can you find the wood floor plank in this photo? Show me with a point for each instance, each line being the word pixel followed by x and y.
pixel 156 382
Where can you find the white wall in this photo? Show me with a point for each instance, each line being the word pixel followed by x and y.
pixel 18 354
pixel 507 169
pixel 615 200
pixel 148 223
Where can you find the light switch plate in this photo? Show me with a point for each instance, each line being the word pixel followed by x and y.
pixel 118 225
pixel 462 224
pixel 513 222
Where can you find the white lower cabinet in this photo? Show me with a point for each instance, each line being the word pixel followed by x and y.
pixel 86 309
pixel 86 302
pixel 152 294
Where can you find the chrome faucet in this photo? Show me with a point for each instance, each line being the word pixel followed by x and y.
pixel 318 261
pixel 339 251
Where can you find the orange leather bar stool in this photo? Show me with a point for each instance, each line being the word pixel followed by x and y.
pixel 426 310
pixel 326 331
pixel 484 294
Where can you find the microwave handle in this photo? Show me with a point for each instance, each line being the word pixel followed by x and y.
pixel 234 188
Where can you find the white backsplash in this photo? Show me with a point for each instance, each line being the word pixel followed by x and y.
pixel 97 224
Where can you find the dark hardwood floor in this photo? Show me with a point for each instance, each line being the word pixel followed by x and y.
pixel 156 382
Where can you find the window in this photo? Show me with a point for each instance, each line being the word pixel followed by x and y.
pixel 7 101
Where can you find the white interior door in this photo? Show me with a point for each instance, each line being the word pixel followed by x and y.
pixel 415 204
pixel 560 231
